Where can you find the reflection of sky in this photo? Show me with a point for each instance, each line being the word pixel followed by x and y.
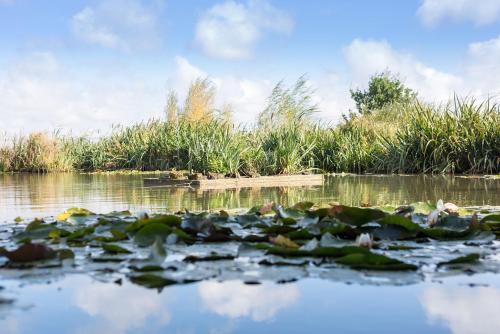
pixel 79 304
pixel 464 310
pixel 234 299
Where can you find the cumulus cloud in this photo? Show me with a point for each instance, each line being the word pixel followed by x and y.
pixel 476 76
pixel 234 299
pixel 464 310
pixel 117 24
pixel 481 12
pixel 38 92
pixel 482 67
pixel 366 57
pixel 230 30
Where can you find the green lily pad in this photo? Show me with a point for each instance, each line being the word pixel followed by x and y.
pixel 469 258
pixel 147 235
pixel 404 222
pixel 115 249
pixel 356 216
pixel 371 261
pixel 169 220
pixel 152 281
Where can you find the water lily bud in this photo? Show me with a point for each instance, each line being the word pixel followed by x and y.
pixel 364 240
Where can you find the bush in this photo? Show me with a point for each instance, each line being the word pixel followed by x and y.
pixel 383 89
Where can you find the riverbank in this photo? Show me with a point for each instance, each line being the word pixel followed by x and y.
pixel 462 138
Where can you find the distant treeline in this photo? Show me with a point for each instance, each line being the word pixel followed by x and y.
pixel 391 132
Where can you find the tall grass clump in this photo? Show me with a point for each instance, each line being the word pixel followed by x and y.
pixel 283 127
pixel 397 135
pixel 38 152
pixel 461 137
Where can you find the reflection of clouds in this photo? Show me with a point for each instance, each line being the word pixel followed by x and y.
pixel 235 299
pixel 9 325
pixel 121 308
pixel 465 310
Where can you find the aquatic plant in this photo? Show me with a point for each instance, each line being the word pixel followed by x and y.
pixel 302 236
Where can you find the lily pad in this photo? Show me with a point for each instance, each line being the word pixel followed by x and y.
pixel 152 281
pixel 371 261
pixel 147 235
pixel 469 258
pixel 115 249
pixel 356 216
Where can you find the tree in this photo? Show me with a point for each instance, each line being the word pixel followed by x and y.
pixel 199 105
pixel 383 89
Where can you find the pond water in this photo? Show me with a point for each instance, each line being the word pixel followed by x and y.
pixel 78 303
pixel 31 196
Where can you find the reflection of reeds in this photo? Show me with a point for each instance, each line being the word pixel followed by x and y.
pixel 117 192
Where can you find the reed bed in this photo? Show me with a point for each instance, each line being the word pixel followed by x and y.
pixel 462 136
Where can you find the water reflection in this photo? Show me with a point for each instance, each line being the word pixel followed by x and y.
pixel 80 304
pixel 105 304
pixel 234 299
pixel 464 310
pixel 39 195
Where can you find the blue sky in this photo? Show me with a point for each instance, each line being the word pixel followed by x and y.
pixel 84 65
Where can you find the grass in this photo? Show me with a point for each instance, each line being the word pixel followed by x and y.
pixel 460 137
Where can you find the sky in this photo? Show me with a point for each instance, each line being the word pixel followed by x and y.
pixel 89 65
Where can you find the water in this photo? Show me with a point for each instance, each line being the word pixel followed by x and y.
pixel 88 304
pixel 30 196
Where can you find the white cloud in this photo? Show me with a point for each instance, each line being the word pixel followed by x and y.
pixel 465 310
pixel 480 12
pixel 185 74
pixel 231 29
pixel 367 57
pixel 234 299
pixel 483 67
pixel 37 92
pixel 117 24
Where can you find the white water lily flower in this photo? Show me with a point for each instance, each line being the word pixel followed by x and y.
pixel 364 240
pixel 142 215
pixel 433 217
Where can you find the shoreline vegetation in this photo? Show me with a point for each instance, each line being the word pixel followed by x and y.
pixel 391 132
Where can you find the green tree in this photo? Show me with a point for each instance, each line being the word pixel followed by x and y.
pixel 383 89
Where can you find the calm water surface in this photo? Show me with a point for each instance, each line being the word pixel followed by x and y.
pixel 84 304
pixel 41 195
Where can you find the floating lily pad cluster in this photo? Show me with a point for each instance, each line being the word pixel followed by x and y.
pixel 268 242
